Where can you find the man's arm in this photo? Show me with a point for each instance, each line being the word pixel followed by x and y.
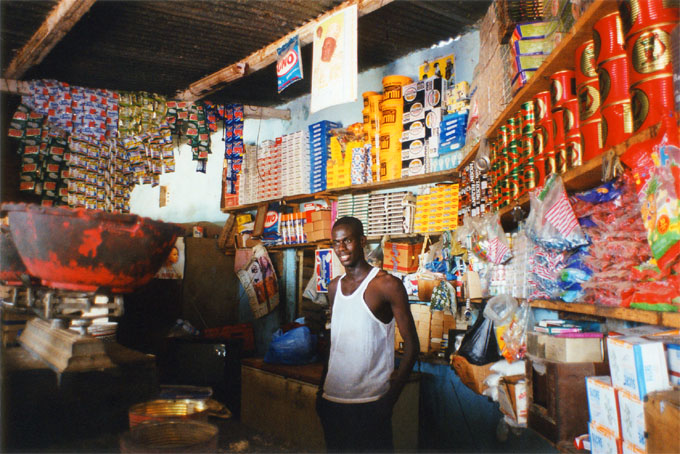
pixel 332 287
pixel 395 293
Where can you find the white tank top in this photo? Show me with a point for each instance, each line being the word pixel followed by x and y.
pixel 362 349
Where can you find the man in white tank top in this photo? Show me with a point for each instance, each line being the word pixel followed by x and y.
pixel 361 386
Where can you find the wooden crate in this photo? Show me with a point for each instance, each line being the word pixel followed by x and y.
pixel 662 418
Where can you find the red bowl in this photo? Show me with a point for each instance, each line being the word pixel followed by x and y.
pixel 86 250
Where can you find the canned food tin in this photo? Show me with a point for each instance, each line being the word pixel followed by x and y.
pixel 589 100
pixel 504 137
pixel 558 129
pixel 550 164
pixel 585 63
pixel 514 186
pixel 392 86
pixel 542 107
pixel 562 87
pixel 591 139
pixel 527 147
pixel 651 100
pixel 561 161
pixel 638 14
pixel 649 51
pixel 608 37
pixel 574 152
pixel 527 118
pixel 617 124
pixel 539 162
pixel 366 95
pixel 613 80
pixel 543 140
pixel 570 117
pixel 530 176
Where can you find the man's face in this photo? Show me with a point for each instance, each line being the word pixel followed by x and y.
pixel 348 245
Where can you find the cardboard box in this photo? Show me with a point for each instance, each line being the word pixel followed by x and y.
pixel 602 403
pixel 512 397
pixel 637 365
pixel 603 441
pixel 401 257
pixel 471 375
pixel 321 215
pixel 662 415
pixel 574 349
pixel 632 418
pixel 629 448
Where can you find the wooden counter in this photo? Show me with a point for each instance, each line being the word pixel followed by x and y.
pixel 281 400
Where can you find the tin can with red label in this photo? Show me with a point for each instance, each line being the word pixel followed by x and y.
pixel 613 80
pixel 574 151
pixel 617 123
pixel 591 138
pixel 649 51
pixel 639 14
pixel 562 87
pixel 528 119
pixel 570 117
pixel 651 99
pixel 585 63
pixel 608 37
pixel 588 100
pixel 550 164
pixel 539 162
pixel 542 108
pixel 530 175
pixel 558 128
pixel 543 140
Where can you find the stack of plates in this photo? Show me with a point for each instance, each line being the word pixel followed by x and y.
pixel 105 331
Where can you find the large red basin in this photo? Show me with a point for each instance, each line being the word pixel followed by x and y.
pixel 81 250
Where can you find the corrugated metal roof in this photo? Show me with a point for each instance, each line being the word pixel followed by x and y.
pixel 163 46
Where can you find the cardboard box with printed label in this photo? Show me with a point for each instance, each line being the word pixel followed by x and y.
pixel 637 365
pixel 401 257
pixel 574 349
pixel 602 403
pixel 632 415
pixel 602 440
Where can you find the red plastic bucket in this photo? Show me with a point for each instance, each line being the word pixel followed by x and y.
pixel 608 37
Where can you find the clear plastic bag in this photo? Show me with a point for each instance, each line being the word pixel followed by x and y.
pixel 551 222
pixel 487 238
pixel 510 325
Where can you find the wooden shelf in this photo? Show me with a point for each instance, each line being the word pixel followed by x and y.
pixel 428 178
pixel 586 176
pixel 561 58
pixel 669 319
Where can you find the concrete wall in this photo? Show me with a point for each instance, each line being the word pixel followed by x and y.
pixel 196 196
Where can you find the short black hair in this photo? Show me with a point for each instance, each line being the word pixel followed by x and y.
pixel 355 224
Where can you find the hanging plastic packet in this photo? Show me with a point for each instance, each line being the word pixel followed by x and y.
pixel 488 239
pixel 288 63
pixel 552 222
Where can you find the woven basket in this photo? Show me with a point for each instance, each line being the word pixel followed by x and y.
pixel 171 436
pixel 164 409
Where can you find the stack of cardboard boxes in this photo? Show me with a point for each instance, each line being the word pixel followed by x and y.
pixel 431 327
pixel 318 225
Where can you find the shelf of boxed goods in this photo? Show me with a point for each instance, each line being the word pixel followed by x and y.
pixel 561 58
pixel 581 178
pixel 428 178
pixel 669 319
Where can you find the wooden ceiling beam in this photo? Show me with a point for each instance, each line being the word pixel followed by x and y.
pixel 60 20
pixel 267 55
pixel 21 87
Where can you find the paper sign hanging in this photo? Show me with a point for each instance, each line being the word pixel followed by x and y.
pixel 289 63
pixel 334 63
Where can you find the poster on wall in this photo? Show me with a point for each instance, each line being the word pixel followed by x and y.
pixel 440 67
pixel 288 63
pixel 173 267
pixel 259 282
pixel 334 61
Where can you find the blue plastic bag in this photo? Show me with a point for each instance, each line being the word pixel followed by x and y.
pixel 297 346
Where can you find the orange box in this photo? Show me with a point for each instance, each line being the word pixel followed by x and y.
pixel 321 215
pixel 401 257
